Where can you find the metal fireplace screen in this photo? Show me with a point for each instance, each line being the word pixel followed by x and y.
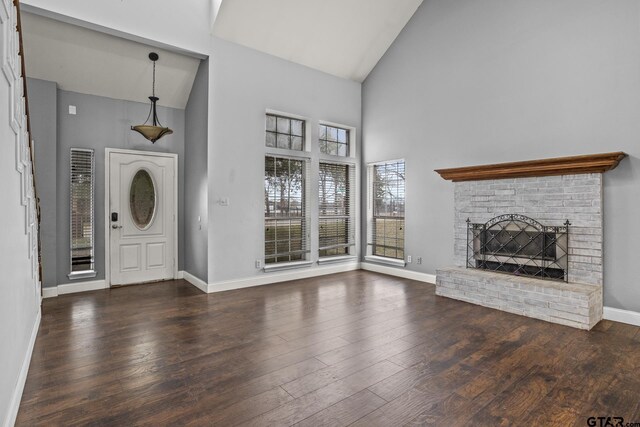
pixel 519 245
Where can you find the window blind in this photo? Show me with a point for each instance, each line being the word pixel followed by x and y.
pixel 285 209
pixel 82 170
pixel 336 209
pixel 387 198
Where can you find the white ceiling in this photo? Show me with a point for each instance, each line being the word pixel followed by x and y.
pixel 345 38
pixel 91 62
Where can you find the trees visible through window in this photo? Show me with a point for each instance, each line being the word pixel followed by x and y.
pixel 336 222
pixel 289 194
pixel 386 235
pixel 334 140
pixel 285 232
pixel 284 132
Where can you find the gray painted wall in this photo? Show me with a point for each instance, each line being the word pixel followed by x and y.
pixel 99 123
pixel 470 82
pixel 43 110
pixel 195 175
pixel 243 84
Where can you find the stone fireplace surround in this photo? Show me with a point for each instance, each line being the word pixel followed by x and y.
pixel 551 200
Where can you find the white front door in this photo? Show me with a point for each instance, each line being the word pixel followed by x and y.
pixel 141 217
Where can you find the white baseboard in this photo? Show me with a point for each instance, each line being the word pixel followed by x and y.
pixel 399 272
pixel 264 279
pixel 624 316
pixel 72 288
pixel 50 292
pixel 22 378
pixel 198 283
pixel 269 278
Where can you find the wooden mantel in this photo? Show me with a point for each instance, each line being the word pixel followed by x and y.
pixel 592 163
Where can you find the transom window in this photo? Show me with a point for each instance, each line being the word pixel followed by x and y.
pixel 386 228
pixel 284 132
pixel 285 222
pixel 336 220
pixel 334 140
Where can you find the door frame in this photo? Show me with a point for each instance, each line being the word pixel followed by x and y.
pixel 107 204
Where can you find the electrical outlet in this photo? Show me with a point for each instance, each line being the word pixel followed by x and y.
pixel 258 263
pixel 419 260
pixel 408 259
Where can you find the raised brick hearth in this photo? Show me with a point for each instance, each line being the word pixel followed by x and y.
pixel 577 305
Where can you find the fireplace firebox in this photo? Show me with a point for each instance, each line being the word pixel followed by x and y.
pixel 519 245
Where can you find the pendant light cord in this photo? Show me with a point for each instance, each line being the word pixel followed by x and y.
pixel 156 121
pixel 153 88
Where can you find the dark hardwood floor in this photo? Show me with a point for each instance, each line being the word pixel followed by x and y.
pixel 353 348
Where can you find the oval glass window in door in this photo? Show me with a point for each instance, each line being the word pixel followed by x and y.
pixel 142 199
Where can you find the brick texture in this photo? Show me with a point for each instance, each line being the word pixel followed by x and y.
pixel 551 201
pixel 576 305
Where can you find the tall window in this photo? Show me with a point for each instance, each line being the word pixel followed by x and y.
pixel 334 140
pixel 386 228
pixel 82 218
pixel 337 222
pixel 284 132
pixel 285 232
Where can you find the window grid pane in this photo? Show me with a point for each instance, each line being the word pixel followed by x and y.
pixel 388 193
pixel 82 170
pixel 284 132
pixel 285 221
pixel 334 141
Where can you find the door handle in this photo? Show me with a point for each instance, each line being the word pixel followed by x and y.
pixel 115 226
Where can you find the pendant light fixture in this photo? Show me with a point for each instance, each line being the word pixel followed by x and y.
pixel 155 130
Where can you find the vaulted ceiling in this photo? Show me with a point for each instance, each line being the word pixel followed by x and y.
pixel 95 63
pixel 345 38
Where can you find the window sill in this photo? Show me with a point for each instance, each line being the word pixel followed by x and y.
pixel 76 275
pixel 383 260
pixel 350 160
pixel 287 266
pixel 336 259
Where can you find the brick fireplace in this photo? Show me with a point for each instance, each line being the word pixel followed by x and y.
pixel 552 200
